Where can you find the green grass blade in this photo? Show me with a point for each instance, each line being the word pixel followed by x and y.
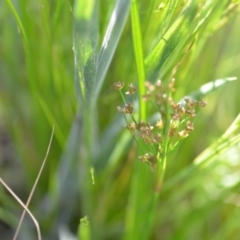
pixel 86 47
pixel 86 37
pixel 51 119
pixel 140 197
pixel 189 30
pixel 84 229
pixel 220 146
pixel 139 57
pixel 175 35
pixel 133 220
pixel 107 142
pixel 19 22
pixel 67 175
pixel 111 38
pixel 86 21
pixel 211 86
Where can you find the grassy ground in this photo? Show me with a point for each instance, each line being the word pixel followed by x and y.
pixel 59 61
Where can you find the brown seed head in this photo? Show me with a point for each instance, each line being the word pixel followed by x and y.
pixel 118 85
pixel 131 127
pixel 190 126
pixel 149 86
pixel 159 124
pixel 183 134
pixel 132 89
pixel 202 103
pixel 129 108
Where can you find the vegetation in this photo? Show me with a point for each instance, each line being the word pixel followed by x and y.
pixel 142 101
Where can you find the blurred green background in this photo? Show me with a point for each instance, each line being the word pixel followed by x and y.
pixel 39 89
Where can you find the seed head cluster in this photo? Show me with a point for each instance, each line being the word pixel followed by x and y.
pixel 175 120
pixel 127 109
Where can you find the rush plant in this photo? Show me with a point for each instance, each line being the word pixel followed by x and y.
pixel 149 164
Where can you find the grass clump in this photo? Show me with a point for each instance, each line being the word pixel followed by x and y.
pixel 174 173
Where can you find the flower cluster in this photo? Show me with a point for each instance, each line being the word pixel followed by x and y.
pixel 127 109
pixel 185 110
pixel 145 132
pixel 174 123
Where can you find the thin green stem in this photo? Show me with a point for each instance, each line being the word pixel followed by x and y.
pixel 139 57
pixel 122 96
